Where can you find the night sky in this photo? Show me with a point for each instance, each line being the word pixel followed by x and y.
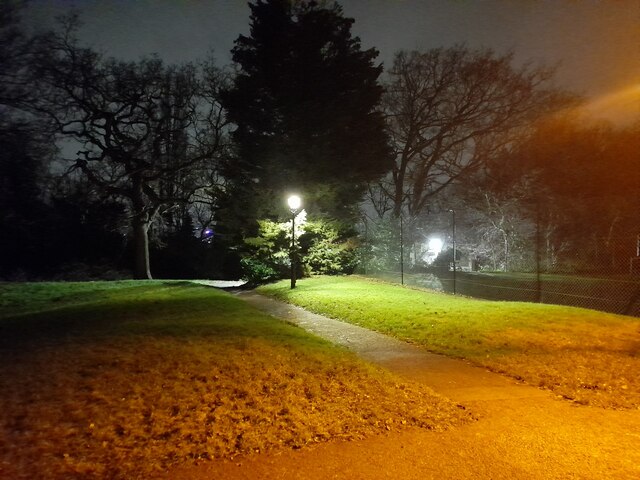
pixel 595 44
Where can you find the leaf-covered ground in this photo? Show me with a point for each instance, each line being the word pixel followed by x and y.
pixel 118 380
pixel 587 356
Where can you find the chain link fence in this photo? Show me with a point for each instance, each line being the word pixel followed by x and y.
pixel 525 261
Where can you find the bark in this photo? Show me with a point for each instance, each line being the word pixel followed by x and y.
pixel 142 270
pixel 141 221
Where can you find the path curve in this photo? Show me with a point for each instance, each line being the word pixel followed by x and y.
pixel 456 379
pixel 523 432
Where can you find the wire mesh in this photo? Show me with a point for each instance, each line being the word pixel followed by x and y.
pixel 528 264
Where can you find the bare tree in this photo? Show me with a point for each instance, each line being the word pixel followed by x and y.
pixel 147 132
pixel 16 50
pixel 447 111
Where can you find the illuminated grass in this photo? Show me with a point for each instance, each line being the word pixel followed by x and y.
pixel 117 380
pixel 587 356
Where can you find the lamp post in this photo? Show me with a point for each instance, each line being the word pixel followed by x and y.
pixel 453 241
pixel 294 202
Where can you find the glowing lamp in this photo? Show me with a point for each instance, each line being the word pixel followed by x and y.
pixel 294 202
pixel 435 245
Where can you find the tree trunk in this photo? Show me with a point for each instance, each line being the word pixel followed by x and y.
pixel 142 270
pixel 506 251
pixel 141 221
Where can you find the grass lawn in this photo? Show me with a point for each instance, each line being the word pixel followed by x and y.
pixel 584 355
pixel 120 379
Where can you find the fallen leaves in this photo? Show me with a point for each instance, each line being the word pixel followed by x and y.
pixel 163 401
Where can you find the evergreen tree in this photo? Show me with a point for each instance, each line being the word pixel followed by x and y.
pixel 305 104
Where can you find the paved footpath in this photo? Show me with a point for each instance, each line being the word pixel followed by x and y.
pixel 453 378
pixel 522 432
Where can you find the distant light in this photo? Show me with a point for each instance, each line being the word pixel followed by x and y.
pixel 435 245
pixel 208 231
pixel 294 202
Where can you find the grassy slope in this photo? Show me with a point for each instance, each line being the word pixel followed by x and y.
pixel 114 380
pixel 588 356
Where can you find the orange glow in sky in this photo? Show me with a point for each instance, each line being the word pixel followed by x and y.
pixel 620 107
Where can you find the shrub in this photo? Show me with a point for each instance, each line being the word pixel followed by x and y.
pixel 327 254
pixel 324 247
pixel 256 272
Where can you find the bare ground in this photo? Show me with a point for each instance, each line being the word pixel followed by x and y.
pixel 523 432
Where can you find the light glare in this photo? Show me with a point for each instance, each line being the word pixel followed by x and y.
pixel 435 245
pixel 294 202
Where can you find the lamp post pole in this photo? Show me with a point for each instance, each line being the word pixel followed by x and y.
pixel 293 249
pixel 538 279
pixel 294 202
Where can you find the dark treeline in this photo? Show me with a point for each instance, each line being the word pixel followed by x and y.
pixel 113 169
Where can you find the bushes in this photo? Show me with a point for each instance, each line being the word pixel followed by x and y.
pixel 323 247
pixel 255 271
pixel 327 253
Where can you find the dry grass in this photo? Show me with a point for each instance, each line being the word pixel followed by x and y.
pixel 590 364
pixel 123 381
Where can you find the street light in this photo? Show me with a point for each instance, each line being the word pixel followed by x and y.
pixel 294 202
pixel 435 245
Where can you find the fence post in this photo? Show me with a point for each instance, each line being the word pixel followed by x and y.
pixel 401 253
pixel 538 280
pixel 453 238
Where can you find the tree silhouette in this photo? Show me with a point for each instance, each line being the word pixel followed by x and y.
pixel 305 104
pixel 147 132
pixel 448 111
